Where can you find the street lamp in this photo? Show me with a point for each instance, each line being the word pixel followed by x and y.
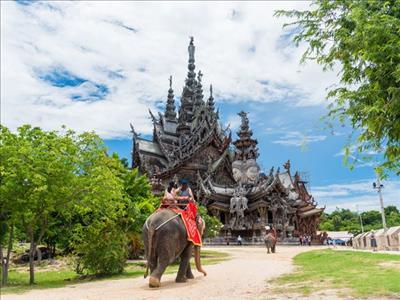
pixel 378 186
pixel 361 221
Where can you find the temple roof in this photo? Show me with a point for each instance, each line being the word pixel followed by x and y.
pixel 149 147
pixel 311 212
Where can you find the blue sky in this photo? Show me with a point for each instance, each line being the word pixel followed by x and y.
pixel 99 66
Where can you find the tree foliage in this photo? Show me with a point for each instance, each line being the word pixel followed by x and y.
pixel 63 189
pixel 362 38
pixel 347 220
pixel 213 224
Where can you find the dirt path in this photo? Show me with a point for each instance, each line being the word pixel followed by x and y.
pixel 242 277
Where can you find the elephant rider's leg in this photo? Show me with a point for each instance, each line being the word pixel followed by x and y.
pixel 185 259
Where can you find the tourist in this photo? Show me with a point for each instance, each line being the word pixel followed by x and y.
pixel 309 240
pixel 301 240
pixel 184 194
pixel 169 195
pixel 373 241
pixel 239 240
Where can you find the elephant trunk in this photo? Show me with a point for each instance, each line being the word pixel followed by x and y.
pixel 197 260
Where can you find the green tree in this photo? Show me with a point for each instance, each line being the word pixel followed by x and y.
pixel 362 38
pixel 37 179
pixel 213 224
pixel 9 190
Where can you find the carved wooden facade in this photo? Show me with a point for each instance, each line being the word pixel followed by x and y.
pixel 193 145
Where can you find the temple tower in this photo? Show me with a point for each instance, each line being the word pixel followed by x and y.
pixel 246 146
pixel 188 95
pixel 170 113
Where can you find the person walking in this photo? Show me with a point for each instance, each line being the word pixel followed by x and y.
pixel 239 240
pixel 373 241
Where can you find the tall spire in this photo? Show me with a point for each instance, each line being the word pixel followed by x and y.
pixel 246 146
pixel 191 77
pixel 199 91
pixel 210 101
pixel 170 113
pixel 188 95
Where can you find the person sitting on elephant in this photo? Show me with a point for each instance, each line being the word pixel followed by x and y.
pixel 169 196
pixel 272 230
pixel 184 194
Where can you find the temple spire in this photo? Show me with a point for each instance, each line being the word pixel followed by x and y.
pixel 186 109
pixel 246 146
pixel 170 113
pixel 199 91
pixel 191 77
pixel 210 101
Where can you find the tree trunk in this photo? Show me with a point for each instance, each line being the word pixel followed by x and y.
pixel 32 249
pixel 39 255
pixel 5 261
pixel 3 266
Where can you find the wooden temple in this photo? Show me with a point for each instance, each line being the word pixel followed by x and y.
pixel 223 174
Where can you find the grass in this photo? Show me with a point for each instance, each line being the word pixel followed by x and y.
pixel 18 279
pixel 360 274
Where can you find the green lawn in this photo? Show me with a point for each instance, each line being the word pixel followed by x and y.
pixel 18 280
pixel 359 274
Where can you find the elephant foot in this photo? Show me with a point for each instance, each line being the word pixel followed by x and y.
pixel 154 282
pixel 180 279
pixel 190 276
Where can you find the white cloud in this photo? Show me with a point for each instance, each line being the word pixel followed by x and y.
pixel 233 121
pixel 133 47
pixel 357 194
pixel 297 138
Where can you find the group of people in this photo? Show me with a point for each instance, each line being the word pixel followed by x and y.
pixel 180 197
pixel 305 240
pixel 177 196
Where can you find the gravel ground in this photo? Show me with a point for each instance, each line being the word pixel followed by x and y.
pixel 244 276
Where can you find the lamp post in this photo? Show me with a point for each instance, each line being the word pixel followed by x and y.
pixel 378 186
pixel 361 221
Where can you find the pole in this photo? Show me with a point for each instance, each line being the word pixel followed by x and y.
pixel 361 221
pixel 381 202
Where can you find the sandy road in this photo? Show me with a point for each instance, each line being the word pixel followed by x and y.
pixel 242 277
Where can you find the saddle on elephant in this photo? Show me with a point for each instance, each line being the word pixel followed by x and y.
pixel 188 215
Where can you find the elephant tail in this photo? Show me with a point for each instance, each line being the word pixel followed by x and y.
pixel 197 260
pixel 151 233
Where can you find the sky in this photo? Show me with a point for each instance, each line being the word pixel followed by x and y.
pixel 101 65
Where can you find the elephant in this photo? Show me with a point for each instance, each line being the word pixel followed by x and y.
pixel 270 242
pixel 165 240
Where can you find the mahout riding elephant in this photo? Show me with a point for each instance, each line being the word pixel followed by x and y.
pixel 165 240
pixel 270 242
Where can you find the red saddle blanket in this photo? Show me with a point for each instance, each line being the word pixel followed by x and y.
pixel 189 219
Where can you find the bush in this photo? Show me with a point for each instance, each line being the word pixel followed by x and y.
pixel 101 250
pixel 213 224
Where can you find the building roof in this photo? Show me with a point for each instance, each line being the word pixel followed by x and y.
pixel 149 147
pixel 311 212
pixel 344 235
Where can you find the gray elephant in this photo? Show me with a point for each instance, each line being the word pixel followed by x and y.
pixel 165 240
pixel 270 242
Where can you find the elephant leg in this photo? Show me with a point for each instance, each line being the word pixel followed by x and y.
pixel 155 277
pixel 183 266
pixel 189 274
